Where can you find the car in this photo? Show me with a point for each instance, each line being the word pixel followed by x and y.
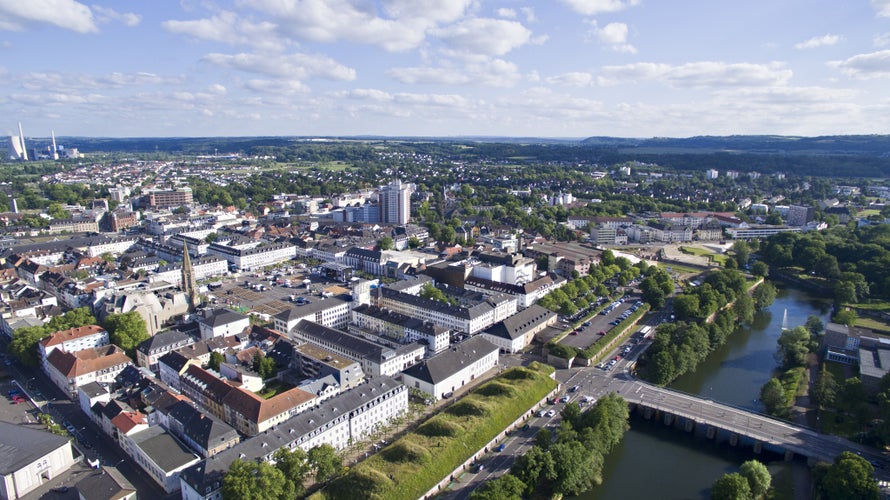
pixel 500 447
pixel 574 388
pixel 480 467
pixel 602 332
pixel 574 332
pixel 541 413
pixel 525 427
pixel 618 357
pixel 564 399
pixel 587 323
pixel 551 413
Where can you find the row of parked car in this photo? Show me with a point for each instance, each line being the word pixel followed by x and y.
pixel 626 314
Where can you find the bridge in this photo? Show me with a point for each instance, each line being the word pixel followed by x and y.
pixel 693 413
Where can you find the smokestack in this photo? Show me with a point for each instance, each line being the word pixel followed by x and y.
pixel 55 151
pixel 22 140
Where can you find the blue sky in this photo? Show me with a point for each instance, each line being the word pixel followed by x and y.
pixel 556 68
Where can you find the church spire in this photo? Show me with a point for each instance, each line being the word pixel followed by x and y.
pixel 189 283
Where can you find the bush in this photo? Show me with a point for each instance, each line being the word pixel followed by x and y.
pixel 496 389
pixel 520 373
pixel 439 427
pixel 468 407
pixel 403 451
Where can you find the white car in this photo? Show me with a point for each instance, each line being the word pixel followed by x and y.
pixel 551 413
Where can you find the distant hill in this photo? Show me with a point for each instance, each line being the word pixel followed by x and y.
pixel 866 145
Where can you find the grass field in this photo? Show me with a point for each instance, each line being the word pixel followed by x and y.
pixel 876 325
pixel 678 268
pixel 717 258
pixel 409 467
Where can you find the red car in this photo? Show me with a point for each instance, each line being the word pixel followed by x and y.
pixel 574 332
pixel 18 398
pixel 602 332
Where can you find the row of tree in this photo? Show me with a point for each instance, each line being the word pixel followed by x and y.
pixel 751 482
pixel 284 478
pixel 571 463
pixel 126 330
pixel 680 346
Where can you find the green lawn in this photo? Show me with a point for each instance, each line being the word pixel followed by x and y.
pixel 274 387
pixel 878 306
pixel 409 467
pixel 678 268
pixel 874 324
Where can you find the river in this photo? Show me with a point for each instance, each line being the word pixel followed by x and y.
pixel 656 462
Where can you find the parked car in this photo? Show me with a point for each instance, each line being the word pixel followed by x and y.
pixel 500 447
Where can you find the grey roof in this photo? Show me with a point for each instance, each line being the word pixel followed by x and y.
pixel 20 446
pixel 396 318
pixel 202 428
pixel 164 340
pixel 220 317
pixel 517 325
pixel 168 453
pixel 107 484
pixel 207 475
pixel 313 307
pixel 174 359
pixel 357 347
pixel 403 284
pixel 93 389
pixel 447 363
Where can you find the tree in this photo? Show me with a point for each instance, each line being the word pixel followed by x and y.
pixel 544 438
pixel 772 395
pixel 764 295
pixel 824 389
pixel 294 465
pixel 56 211
pixel 845 292
pixel 506 487
pixel 845 317
pixel 385 243
pixel 430 291
pixel 325 461
pixel 742 252
pixel 760 269
pixel 570 412
pixel 126 330
pixel 533 467
pixel 794 345
pixel 215 359
pixel 254 480
pixel 686 306
pixel 264 365
pixel 850 477
pixel 814 325
pixel 574 467
pixel 758 477
pixel 413 242
pixel 24 344
pixel 74 318
pixel 744 308
pixel 731 486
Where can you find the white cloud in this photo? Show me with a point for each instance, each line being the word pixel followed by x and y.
pixel 107 15
pixel 79 83
pixel 492 73
pixel 817 41
pixel 529 14
pixel 572 79
pixel 217 89
pixel 591 7
pixel 882 7
pixel 881 40
pixel 508 13
pixel 872 65
pixel 614 35
pixel 67 14
pixel 403 27
pixel 698 74
pixel 411 98
pixel 272 87
pixel 287 66
pixel 483 36
pixel 227 27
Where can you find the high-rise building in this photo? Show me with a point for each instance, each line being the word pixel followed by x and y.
pixel 799 215
pixel 395 202
pixel 170 199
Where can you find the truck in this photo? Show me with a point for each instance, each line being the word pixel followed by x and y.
pixel 645 332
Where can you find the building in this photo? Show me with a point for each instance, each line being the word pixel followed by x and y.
pixel 222 323
pixel 799 215
pixel 331 312
pixel 246 259
pixel 160 455
pixel 170 198
pixel 149 351
pixel 73 340
pixel 207 266
pixel 450 370
pixel 105 484
pixel 758 231
pixel 517 332
pixel 476 312
pixel 377 360
pixel 204 433
pixel 712 174
pixel 30 458
pixel 400 328
pixel 317 362
pixel 346 418
pixel 394 203
pixel 70 370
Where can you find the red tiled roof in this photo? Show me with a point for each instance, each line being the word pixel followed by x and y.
pixel 74 333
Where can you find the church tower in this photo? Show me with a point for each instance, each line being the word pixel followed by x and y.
pixel 189 283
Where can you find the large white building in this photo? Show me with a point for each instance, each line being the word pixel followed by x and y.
pixel 204 267
pixel 450 370
pixel 331 312
pixel 30 458
pixel 517 332
pixel 472 318
pixel 254 258
pixel 395 202
pixel 339 421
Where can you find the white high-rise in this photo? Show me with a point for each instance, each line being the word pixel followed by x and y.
pixel 395 202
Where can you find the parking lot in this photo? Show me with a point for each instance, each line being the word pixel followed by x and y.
pixel 267 293
pixel 590 334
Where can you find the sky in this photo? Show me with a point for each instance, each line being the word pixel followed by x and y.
pixel 447 68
